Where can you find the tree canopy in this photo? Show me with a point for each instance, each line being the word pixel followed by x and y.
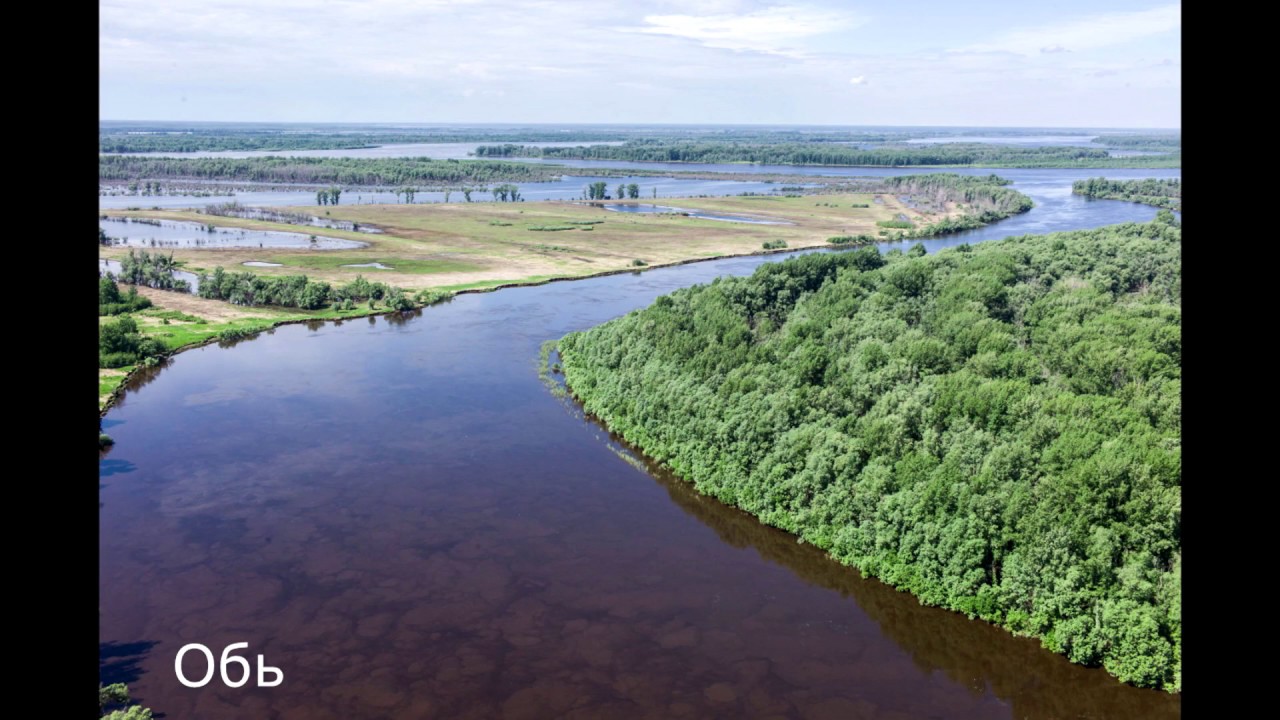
pixel 996 429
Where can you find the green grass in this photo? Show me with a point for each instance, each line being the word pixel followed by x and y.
pixel 108 384
pixel 485 284
pixel 406 265
pixel 172 315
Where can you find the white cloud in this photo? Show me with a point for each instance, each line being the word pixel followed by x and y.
pixel 1087 33
pixel 772 30
pixel 858 80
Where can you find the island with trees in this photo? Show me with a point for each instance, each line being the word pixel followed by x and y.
pixel 832 154
pixel 1159 192
pixel 995 429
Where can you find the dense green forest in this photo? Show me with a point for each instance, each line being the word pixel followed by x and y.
pixel 996 429
pixel 948 154
pixel 1164 143
pixel 1160 192
pixel 373 172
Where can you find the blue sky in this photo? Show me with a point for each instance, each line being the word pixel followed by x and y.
pixel 913 62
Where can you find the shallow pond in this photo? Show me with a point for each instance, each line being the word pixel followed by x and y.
pixel 148 233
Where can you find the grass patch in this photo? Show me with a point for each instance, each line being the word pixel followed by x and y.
pixel 552 228
pixel 173 315
pixel 405 265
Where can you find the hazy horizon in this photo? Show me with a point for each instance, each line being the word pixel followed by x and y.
pixel 393 124
pixel 927 63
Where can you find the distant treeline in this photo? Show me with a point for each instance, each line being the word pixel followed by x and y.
pixel 995 429
pixel 375 172
pixel 152 140
pixel 1160 192
pixel 1167 143
pixel 948 154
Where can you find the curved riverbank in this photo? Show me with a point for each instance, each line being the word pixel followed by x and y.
pixel 403 519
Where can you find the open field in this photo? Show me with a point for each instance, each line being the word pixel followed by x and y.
pixel 466 245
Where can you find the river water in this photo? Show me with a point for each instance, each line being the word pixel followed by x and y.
pixel 398 514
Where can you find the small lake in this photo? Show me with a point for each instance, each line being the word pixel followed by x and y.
pixel 148 233
pixel 259 263
pixel 374 265
pixel 700 214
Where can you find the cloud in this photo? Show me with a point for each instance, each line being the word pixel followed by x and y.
pixel 1087 33
pixel 1053 49
pixel 858 80
pixel 771 30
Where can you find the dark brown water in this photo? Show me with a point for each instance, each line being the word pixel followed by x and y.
pixel 399 515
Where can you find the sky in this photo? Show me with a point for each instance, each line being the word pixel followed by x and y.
pixel 1090 63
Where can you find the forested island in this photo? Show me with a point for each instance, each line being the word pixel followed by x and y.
pixel 1155 143
pixel 893 155
pixel 995 429
pixel 1160 192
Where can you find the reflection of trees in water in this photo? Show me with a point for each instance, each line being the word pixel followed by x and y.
pixel 142 376
pixel 120 662
pixel 972 653
pixel 403 316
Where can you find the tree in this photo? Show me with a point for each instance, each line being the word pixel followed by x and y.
pixel 334 194
pixel 633 191
pixel 447 193
pixel 621 191
pixel 108 291
pixel 118 694
pixel 466 193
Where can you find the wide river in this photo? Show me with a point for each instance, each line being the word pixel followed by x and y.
pixel 400 516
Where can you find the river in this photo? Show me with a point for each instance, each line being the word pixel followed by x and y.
pixel 398 514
